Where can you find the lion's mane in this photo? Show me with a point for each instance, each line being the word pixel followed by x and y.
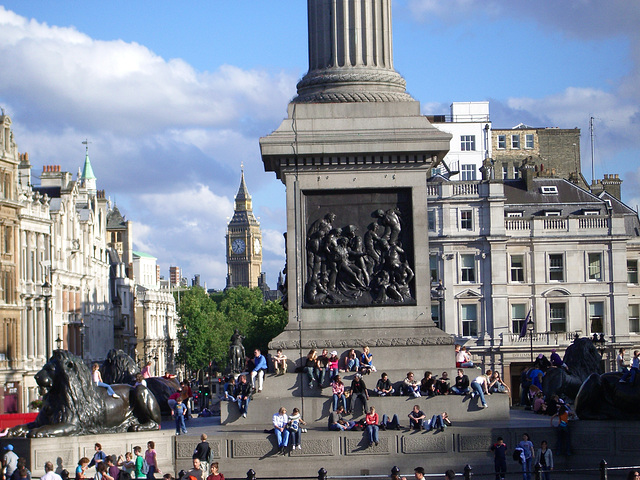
pixel 72 398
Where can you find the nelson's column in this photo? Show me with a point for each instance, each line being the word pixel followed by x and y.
pixel 354 155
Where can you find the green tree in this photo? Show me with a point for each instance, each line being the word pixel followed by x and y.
pixel 208 323
pixel 246 310
pixel 198 315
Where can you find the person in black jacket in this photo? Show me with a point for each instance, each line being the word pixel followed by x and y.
pixel 203 453
pixel 462 384
pixel 383 387
pixel 243 394
pixel 359 391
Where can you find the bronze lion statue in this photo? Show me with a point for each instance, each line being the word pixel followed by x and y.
pixel 73 405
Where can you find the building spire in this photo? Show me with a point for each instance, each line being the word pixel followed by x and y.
pixel 243 199
pixel 88 179
pixel 350 54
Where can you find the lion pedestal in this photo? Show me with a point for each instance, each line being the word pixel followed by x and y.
pixel 73 405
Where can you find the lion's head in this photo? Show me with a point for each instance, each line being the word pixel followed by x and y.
pixel 119 367
pixel 69 395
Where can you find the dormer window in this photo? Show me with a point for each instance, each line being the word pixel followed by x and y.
pixel 552 213
pixel 513 214
pixel 591 212
pixel 549 189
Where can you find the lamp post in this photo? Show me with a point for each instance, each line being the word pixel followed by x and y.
pixel 184 334
pixel 58 342
pixel 46 294
pixel 530 329
pixel 438 294
pixel 82 333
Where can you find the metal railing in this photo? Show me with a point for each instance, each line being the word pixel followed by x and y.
pixel 601 471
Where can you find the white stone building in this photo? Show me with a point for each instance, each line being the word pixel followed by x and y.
pixel 35 263
pixel 541 245
pixel 81 309
pixel 470 126
pixel 156 318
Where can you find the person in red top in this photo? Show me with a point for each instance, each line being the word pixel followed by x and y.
pixel 215 473
pixel 371 421
pixel 188 397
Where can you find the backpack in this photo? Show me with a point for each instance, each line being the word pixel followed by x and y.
pixel 145 467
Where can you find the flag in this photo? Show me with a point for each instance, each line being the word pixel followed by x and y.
pixel 525 325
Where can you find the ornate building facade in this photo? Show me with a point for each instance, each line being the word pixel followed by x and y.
pixel 156 318
pixel 34 285
pixel 540 246
pixel 81 309
pixel 244 243
pixel 12 361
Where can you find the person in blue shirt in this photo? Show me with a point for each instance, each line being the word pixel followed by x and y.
pixel 179 411
pixel 260 366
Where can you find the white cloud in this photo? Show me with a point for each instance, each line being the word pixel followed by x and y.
pixel 273 241
pixel 124 87
pixel 166 140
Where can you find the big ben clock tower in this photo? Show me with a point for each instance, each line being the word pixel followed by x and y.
pixel 244 242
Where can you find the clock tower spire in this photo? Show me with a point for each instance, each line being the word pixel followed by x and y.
pixel 243 241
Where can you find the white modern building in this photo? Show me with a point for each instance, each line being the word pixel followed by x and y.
pixel 145 270
pixel 470 126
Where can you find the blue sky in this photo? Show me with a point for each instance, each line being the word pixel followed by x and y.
pixel 175 96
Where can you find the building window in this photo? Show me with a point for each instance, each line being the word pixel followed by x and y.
pixel 469 320
pixel 634 318
pixel 468 268
pixel 516 172
pixel 431 218
pixel 435 314
pixel 515 142
pixel 595 266
pixel 632 271
pixel 517 268
pixel 558 317
pixel 514 215
pixel 433 267
pixel 505 172
pixel 467 143
pixel 502 142
pixel 596 317
pixel 468 172
pixel 552 213
pixel 556 267
pixel 466 220
pixel 518 317
pixel 528 140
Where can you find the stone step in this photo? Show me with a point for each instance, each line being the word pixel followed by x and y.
pixel 316 409
pixel 297 385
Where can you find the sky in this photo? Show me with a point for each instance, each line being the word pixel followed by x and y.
pixel 174 96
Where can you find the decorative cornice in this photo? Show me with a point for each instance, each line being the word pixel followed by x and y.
pixel 371 342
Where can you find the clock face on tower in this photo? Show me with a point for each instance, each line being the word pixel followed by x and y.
pixel 256 246
pixel 237 245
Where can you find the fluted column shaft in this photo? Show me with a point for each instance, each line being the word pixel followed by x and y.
pixel 350 33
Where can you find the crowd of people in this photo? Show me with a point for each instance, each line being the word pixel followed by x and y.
pixel 131 465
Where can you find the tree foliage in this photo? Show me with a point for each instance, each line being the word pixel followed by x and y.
pixel 207 323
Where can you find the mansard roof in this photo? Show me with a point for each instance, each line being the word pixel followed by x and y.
pixel 115 220
pixel 565 197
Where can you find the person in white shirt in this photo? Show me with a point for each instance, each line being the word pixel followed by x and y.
pixel 480 387
pixel 280 421
pixel 49 474
pixel 97 380
pixel 620 361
